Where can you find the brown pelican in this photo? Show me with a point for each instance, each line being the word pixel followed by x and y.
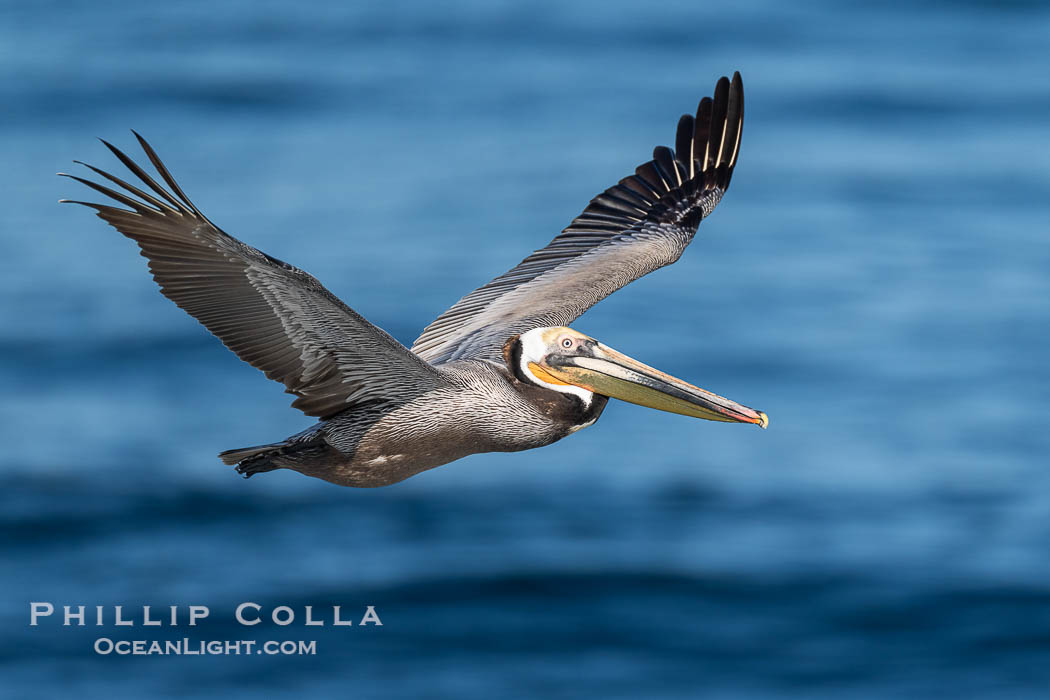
pixel 498 372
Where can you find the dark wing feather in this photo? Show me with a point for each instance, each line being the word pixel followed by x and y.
pixel 273 315
pixel 634 227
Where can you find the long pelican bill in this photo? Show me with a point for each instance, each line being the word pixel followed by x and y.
pixel 616 375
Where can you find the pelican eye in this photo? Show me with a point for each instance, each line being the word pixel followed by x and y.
pixel 566 342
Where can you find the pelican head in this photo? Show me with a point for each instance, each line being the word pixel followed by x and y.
pixel 570 362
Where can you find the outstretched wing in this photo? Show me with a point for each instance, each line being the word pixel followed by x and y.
pixel 635 227
pixel 273 315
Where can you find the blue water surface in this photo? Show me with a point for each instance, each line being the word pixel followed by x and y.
pixel 877 279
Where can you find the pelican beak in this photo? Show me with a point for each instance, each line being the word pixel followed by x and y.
pixel 610 373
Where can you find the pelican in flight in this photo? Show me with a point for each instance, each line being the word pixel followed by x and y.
pixel 499 371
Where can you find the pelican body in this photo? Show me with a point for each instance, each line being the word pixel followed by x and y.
pixel 499 371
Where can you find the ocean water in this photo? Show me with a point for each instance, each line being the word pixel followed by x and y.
pixel 877 280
